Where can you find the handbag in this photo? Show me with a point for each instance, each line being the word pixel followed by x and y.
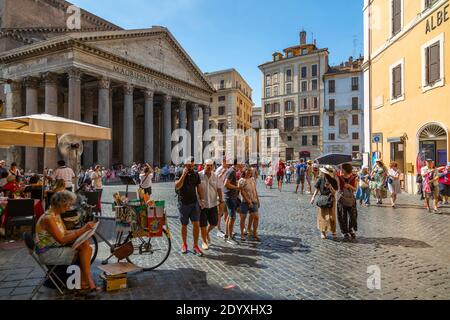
pixel 124 251
pixel 324 201
pixel 347 198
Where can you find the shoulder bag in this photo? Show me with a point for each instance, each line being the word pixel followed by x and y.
pixel 324 201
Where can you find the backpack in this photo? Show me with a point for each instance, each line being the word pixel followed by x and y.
pixel 302 171
pixel 347 198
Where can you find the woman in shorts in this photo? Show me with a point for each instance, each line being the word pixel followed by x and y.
pixel 249 205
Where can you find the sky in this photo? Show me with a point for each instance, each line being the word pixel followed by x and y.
pixel 242 34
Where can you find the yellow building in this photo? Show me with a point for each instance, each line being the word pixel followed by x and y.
pixel 407 99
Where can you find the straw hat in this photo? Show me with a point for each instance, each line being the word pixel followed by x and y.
pixel 328 170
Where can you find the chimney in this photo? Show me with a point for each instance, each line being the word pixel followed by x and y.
pixel 350 60
pixel 302 37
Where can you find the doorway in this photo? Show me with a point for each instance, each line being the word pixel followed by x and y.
pixel 433 144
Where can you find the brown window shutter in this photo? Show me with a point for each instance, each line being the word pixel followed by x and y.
pixel 397 81
pixel 434 61
pixel 396 16
pixel 427 59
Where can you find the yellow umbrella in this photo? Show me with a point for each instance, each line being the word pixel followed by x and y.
pixel 22 138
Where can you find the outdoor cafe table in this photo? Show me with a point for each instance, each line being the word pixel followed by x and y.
pixel 38 210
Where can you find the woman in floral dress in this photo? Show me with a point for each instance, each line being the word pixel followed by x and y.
pixel 378 184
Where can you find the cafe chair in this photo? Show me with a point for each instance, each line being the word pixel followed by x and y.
pixel 93 200
pixel 36 193
pixel 49 271
pixel 20 212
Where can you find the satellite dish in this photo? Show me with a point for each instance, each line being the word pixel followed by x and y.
pixel 71 148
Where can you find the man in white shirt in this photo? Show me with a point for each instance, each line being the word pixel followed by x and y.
pixel 212 189
pixel 220 173
pixel 64 173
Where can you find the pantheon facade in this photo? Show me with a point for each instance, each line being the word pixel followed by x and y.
pixel 140 83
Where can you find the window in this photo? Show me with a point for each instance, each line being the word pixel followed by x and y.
pixel 332 104
pixel 289 124
pixel 288 106
pixel 269 140
pixel 275 123
pixel 268 83
pixel 314 70
pixel 304 140
pixel 315 121
pixel 304 86
pixel 396 16
pixel 305 103
pixel 397 82
pixel 275 78
pixel 304 121
pixel 288 75
pixel 304 52
pixel 331 121
pixel 304 72
pixel 355 103
pixel 221 111
pixel 430 3
pixel 275 91
pixel 355 148
pixel 331 86
pixel 355 84
pixel 343 127
pixel 221 126
pixel 222 98
pixel 267 108
pixel 432 56
pixel 355 135
pixel 276 108
pixel 315 140
pixel 289 88
pixel 331 136
pixel 316 102
pixel 267 92
pixel 222 84
pixel 290 54
pixel 289 138
pixel 355 120
pixel 314 84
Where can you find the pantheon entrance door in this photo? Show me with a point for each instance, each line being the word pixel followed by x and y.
pixel 433 143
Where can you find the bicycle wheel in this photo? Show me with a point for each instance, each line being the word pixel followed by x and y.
pixel 94 245
pixel 150 253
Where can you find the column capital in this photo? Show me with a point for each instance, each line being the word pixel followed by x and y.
pixel 104 83
pixel 195 106
pixel 31 82
pixel 167 98
pixel 128 89
pixel 50 77
pixel 74 73
pixel 15 86
pixel 149 94
pixel 183 103
pixel 206 109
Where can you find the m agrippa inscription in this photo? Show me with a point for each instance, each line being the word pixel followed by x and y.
pixel 155 83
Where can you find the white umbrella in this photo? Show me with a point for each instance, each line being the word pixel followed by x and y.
pixel 41 130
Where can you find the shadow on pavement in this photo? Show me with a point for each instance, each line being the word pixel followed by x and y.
pixel 180 284
pixel 394 242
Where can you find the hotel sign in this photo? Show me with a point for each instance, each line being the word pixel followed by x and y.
pixel 437 19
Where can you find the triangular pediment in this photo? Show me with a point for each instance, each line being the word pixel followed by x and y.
pixel 158 51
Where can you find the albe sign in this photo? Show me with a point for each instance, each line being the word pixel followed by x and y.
pixel 437 19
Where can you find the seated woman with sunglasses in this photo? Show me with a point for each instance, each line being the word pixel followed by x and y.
pixel 52 240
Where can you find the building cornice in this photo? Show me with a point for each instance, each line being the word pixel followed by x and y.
pixel 303 57
pixel 68 42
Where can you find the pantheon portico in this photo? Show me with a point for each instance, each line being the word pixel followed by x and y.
pixel 140 83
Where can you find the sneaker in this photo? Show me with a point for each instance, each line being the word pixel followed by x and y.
pixel 353 235
pixel 205 246
pixel 323 236
pixel 220 234
pixel 198 251
pixel 232 241
pixel 184 249
pixel 346 237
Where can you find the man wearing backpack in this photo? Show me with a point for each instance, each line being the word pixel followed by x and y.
pixel 347 210
pixel 301 174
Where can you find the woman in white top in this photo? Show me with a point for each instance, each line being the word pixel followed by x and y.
pixel 394 182
pixel 146 179
pixel 249 204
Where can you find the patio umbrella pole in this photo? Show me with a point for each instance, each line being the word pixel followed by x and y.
pixel 43 170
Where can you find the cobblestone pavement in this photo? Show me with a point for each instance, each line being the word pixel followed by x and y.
pixel 410 246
